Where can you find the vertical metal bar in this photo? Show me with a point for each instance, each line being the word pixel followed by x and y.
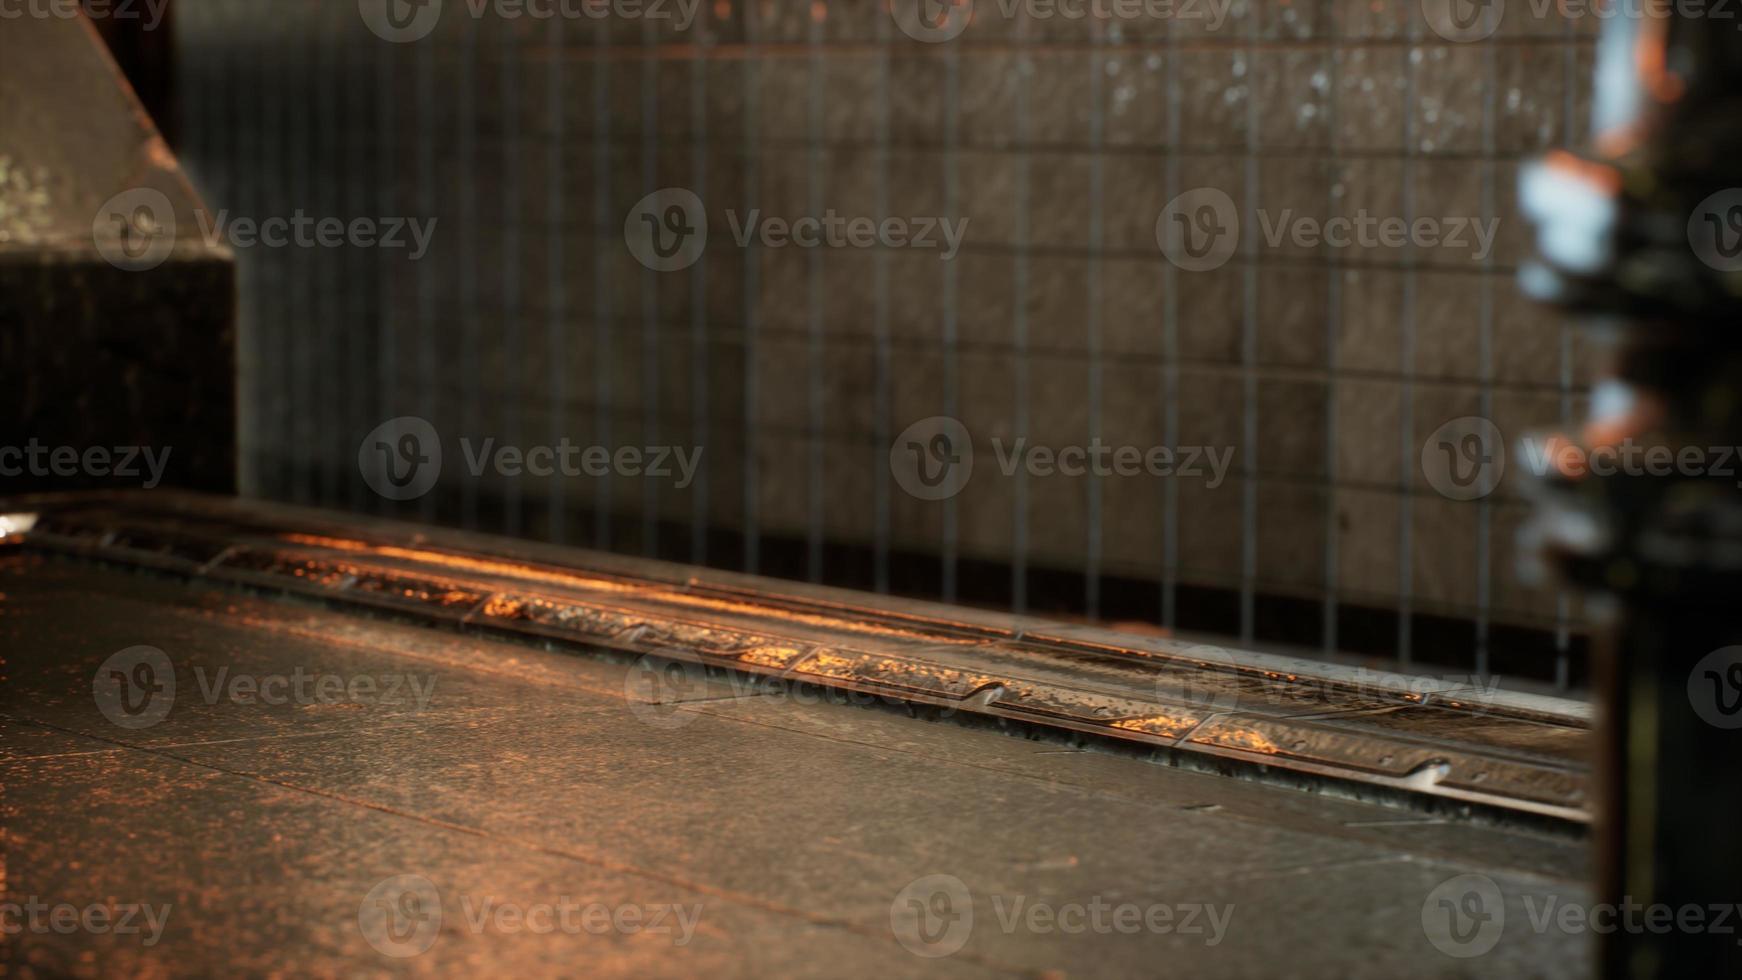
pixel 752 289
pixel 361 310
pixel 388 177
pixel 299 298
pixel 508 48
pixel 470 325
pixel 325 329
pixel 814 288
pixel 1406 371
pixel 952 204
pixel 601 234
pixel 1020 393
pixel 1092 321
pixel 1170 346
pixel 273 174
pixel 556 281
pixel 1249 350
pixel 425 330
pixel 650 394
pixel 242 128
pixel 699 361
pixel 1485 357
pixel 880 318
pixel 1563 597
pixel 1333 333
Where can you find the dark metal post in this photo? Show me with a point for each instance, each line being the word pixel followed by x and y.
pixel 1642 237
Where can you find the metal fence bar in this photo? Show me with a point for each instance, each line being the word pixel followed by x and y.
pixel 700 409
pixel 1334 272
pixel 650 332
pixel 1097 232
pixel 752 295
pixel 318 326
pixel 603 312
pixel 556 327
pixel 1406 370
pixel 815 427
pixel 884 409
pixel 510 262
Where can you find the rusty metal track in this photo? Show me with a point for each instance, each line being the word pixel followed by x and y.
pixel 1444 742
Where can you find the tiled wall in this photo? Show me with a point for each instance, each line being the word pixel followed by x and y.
pixel 1059 140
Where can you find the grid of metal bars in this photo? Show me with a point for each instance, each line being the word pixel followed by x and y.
pixel 303 108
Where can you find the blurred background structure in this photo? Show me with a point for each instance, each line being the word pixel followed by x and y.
pixel 1369 397
pixel 1059 139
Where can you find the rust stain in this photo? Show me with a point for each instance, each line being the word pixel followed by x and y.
pixel 1167 726
pixel 1248 739
pixel 655 592
pixel 772 656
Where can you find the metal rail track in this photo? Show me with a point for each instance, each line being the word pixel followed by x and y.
pixel 1360 732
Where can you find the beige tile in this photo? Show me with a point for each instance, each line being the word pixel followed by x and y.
pixel 1367 537
pixel 1291 427
pixel 1291 535
pixel 1369 415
